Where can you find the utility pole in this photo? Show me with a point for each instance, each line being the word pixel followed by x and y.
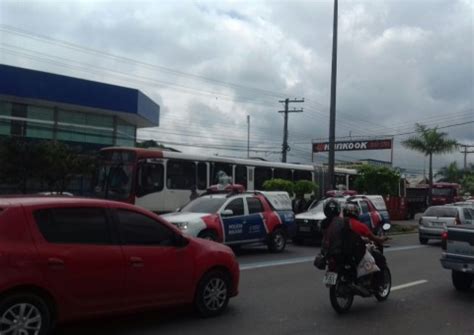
pixel 248 136
pixel 465 152
pixel 332 112
pixel 285 148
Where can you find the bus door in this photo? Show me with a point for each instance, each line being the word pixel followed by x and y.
pixel 149 192
pixel 180 183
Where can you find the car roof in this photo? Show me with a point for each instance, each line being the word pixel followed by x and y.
pixel 34 200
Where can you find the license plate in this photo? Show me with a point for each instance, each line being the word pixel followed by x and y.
pixel 305 229
pixel 437 224
pixel 330 278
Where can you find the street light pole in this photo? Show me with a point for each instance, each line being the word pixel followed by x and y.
pixel 332 112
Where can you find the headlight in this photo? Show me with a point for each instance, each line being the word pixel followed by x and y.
pixel 181 225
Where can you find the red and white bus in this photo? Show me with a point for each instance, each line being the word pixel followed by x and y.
pixel 163 181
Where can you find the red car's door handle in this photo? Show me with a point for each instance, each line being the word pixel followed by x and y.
pixel 136 262
pixel 55 263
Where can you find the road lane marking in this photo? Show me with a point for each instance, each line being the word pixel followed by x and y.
pixel 267 264
pixel 297 260
pixel 413 283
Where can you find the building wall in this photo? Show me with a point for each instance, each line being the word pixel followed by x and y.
pixel 48 123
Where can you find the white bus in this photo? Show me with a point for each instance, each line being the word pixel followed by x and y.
pixel 163 181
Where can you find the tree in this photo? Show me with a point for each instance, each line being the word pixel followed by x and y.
pixel 450 173
pixel 377 180
pixel 305 187
pixel 58 165
pixel 430 142
pixel 279 185
pixel 18 159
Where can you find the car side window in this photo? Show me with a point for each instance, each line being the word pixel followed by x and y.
pixel 254 205
pixel 76 225
pixel 364 207
pixel 237 206
pixel 138 229
pixel 467 214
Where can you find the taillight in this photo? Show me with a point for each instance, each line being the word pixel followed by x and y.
pixel 444 240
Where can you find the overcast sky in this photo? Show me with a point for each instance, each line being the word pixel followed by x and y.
pixel 209 64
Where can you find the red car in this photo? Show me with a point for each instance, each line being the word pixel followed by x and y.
pixel 70 258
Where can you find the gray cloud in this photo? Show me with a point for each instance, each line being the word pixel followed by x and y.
pixel 400 62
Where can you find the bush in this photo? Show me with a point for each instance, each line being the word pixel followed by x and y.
pixel 279 185
pixel 305 187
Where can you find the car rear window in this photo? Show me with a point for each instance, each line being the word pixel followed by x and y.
pixel 445 212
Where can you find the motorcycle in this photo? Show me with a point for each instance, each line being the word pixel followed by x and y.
pixel 344 284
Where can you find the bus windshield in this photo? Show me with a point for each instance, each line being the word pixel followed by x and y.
pixel 114 181
pixel 442 192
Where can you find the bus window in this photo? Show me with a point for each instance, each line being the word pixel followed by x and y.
pixel 283 174
pixel 241 175
pixel 302 175
pixel 224 167
pixel 201 176
pixel 150 179
pixel 341 180
pixel 262 174
pixel 180 175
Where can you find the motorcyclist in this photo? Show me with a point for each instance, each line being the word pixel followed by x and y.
pixel 334 236
pixel 351 211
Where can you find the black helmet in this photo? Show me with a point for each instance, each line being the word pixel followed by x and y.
pixel 351 210
pixel 332 208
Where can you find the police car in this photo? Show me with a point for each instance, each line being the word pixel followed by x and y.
pixel 239 218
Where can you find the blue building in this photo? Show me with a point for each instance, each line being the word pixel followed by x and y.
pixel 83 113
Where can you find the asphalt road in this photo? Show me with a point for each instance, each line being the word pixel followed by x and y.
pixel 284 294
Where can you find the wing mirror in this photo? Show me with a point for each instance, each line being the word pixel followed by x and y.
pixel 386 226
pixel 227 212
pixel 180 240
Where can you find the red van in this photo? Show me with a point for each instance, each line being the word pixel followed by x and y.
pixel 69 258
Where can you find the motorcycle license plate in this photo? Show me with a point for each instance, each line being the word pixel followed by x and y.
pixel 330 278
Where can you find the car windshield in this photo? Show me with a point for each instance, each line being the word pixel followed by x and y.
pixel 204 205
pixel 319 206
pixel 445 212
pixel 114 181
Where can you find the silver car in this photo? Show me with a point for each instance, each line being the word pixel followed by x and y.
pixel 435 219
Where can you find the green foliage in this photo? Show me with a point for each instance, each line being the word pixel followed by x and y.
pixel 18 162
pixel 305 187
pixel 279 185
pixel 467 182
pixel 450 173
pixel 51 163
pixel 430 142
pixel 377 180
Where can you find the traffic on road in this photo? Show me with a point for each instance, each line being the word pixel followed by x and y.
pixel 71 264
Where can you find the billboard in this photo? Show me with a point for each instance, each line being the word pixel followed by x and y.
pixel 354 145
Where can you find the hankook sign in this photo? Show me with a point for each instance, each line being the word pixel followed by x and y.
pixel 354 145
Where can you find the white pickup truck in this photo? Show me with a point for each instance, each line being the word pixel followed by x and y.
pixel 458 242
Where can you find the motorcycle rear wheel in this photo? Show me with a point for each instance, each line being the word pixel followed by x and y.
pixel 341 297
pixel 384 290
